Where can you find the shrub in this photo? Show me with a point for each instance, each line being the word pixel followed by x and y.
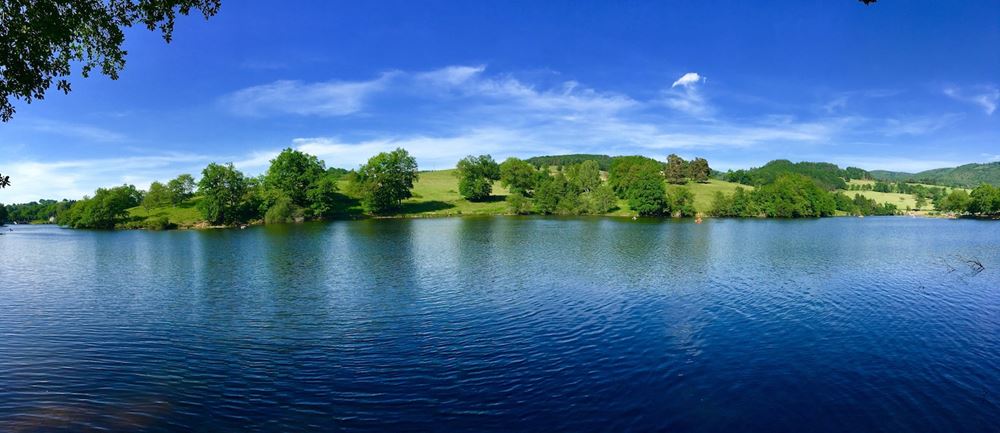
pixel 518 204
pixel 159 223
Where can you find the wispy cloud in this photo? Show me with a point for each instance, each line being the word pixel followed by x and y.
pixel 333 98
pixel 689 79
pixel 986 97
pixel 918 125
pixel 75 130
pixel 444 114
pixel 73 179
pixel 570 97
pixel 684 95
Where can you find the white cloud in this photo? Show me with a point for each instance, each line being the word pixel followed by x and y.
pixel 432 152
pixel 451 75
pixel 505 91
pixel 689 79
pixel 917 125
pixel 75 130
pixel 688 98
pixel 986 97
pixel 333 98
pixel 474 112
pixel 72 179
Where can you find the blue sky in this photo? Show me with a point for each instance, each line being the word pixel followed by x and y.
pixel 900 85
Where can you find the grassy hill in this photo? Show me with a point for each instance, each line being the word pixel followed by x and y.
pixel 184 215
pixel 967 176
pixel 902 201
pixel 826 175
pixel 434 194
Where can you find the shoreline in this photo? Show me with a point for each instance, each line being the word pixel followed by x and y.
pixel 206 227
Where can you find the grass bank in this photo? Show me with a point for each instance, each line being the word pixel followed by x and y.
pixel 435 194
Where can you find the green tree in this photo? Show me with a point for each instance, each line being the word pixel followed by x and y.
pixel 181 188
pixel 681 202
pixel 722 205
pixel 585 176
pixel 956 201
pixel 699 170
pixel 647 194
pixel 476 175
pixel 984 200
pixel 108 207
pixel 676 170
pixel 549 193
pixel 157 196
pixel 292 174
pixel 322 194
pixel 628 171
pixel 794 196
pixel 225 192
pixel 738 204
pixel 282 211
pixel 600 200
pixel 44 39
pixel 386 180
pixel 518 176
pixel 3 214
pixel 518 204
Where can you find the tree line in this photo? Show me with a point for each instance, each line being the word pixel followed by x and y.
pixel 580 187
pixel 296 187
pixel 984 200
pixel 794 195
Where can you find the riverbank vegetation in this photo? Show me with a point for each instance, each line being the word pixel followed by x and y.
pixel 300 187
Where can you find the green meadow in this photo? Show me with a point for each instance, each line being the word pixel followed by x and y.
pixel 435 194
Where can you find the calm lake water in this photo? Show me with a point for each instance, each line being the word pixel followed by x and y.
pixel 504 324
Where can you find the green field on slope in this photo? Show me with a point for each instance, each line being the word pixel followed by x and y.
pixel 434 194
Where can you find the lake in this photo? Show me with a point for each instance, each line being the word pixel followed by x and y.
pixel 504 324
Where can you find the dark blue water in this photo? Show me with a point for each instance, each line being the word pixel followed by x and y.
pixel 504 324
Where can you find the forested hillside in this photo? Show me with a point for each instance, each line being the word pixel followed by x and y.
pixel 826 175
pixel 967 176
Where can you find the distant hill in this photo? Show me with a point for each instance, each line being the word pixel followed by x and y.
pixel 826 175
pixel 968 175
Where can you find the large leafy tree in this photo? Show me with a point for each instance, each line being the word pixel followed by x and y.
pixel 158 195
pixel 385 181
pixel 585 176
pixel 699 170
pixel 41 40
pixel 676 170
pixel 647 195
pixel 293 173
pixel 627 171
pixel 476 175
pixel 225 192
pixel 984 200
pixel 518 176
pixel 181 188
